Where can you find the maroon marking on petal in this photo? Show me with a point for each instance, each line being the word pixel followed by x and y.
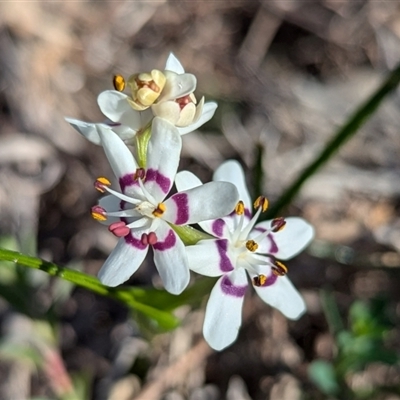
pixel 130 239
pixel 128 180
pixel 169 242
pixel 273 249
pixel 225 264
pixel 161 180
pixel 218 227
pixel 181 201
pixel 229 288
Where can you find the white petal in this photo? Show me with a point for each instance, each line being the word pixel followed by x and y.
pixel 163 154
pixel 86 129
pixel 210 201
pixel 291 240
pixel 187 115
pixel 171 260
pixel 120 158
pixel 207 113
pixel 211 257
pixel 185 180
pixel 283 296
pixel 174 65
pixel 168 110
pixel 123 261
pixel 232 171
pixel 114 105
pixel 224 310
pixel 177 86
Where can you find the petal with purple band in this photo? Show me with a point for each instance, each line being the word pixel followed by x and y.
pixel 210 201
pixel 122 263
pixel 224 310
pixel 210 257
pixel 171 260
pixel 163 154
pixel 291 240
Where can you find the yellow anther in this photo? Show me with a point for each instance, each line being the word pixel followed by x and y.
pixel 119 82
pixel 239 209
pixel 160 210
pixel 100 183
pixel 259 280
pixel 251 245
pixel 262 202
pixel 279 269
pixel 98 217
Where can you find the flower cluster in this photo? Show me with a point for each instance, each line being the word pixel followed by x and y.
pixel 159 107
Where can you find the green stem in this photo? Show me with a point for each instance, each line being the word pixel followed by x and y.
pixel 344 134
pixel 91 283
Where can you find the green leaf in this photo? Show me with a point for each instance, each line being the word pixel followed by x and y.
pixel 322 373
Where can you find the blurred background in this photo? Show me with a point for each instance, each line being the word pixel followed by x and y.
pixel 286 75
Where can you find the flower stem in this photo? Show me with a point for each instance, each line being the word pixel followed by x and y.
pixel 344 133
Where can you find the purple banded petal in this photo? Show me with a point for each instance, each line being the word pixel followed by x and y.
pixel 291 240
pixel 210 201
pixel 283 296
pixel 210 257
pixel 207 113
pixel 163 156
pixel 224 310
pixel 171 260
pixel 123 261
pixel 118 155
pixel 174 65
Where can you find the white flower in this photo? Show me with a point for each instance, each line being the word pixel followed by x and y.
pixel 175 102
pixel 243 247
pixel 141 215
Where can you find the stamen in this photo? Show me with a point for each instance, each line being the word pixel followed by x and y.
pixel 279 269
pixel 278 224
pixel 98 213
pixel 261 202
pixel 119 229
pixel 249 227
pixel 149 239
pixel 146 193
pixel 140 173
pixel 159 211
pixel 251 245
pixel 152 238
pixel 144 239
pixel 119 83
pixel 122 196
pixel 101 184
pixel 259 280
pixel 239 209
